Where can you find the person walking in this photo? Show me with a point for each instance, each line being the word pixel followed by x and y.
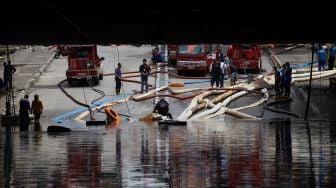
pixel 144 70
pixel 287 79
pixel 332 54
pixel 117 78
pixel 9 70
pixel 37 108
pixel 24 112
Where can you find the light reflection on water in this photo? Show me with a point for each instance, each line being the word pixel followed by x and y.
pixel 202 154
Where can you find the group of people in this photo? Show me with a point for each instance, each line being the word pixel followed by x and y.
pixel 283 79
pixel 35 108
pixel 326 54
pixel 222 69
pixel 219 71
pixel 144 71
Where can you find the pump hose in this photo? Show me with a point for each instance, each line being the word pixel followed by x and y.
pixel 132 72
pixel 162 65
pixel 102 93
pixel 170 74
pixel 280 111
pixel 73 99
pixel 192 95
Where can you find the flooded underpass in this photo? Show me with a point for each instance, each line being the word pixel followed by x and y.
pixel 202 154
pixel 278 149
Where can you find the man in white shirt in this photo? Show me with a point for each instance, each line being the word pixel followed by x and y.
pixel 224 65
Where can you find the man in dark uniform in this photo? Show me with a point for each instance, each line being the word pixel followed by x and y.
pixel 144 70
pixel 332 55
pixel 215 72
pixel 9 69
pixel 277 78
pixel 24 113
pixel 118 78
pixel 287 79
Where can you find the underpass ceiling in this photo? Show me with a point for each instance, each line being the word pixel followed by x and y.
pixel 136 21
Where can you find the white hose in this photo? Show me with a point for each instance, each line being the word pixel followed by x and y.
pixel 222 104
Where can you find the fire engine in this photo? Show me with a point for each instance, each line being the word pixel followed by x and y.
pixel 84 63
pixel 245 56
pixel 192 58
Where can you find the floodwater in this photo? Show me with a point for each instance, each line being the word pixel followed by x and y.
pixel 202 154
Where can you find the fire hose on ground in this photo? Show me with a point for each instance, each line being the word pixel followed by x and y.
pixel 192 95
pixel 158 95
pixel 73 99
pixel 280 111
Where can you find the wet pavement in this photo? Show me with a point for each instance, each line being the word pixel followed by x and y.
pixel 27 62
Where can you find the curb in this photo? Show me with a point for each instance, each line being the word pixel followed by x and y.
pixel 31 82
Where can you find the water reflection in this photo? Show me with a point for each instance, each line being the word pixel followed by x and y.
pixel 283 151
pixel 202 154
pixel 37 127
pixel 83 163
pixel 7 159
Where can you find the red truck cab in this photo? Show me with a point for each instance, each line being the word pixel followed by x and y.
pixel 195 57
pixel 245 56
pixel 83 63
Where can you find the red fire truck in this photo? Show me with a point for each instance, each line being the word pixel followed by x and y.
pixel 84 63
pixel 245 56
pixel 198 57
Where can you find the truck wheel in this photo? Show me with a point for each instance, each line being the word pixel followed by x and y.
pixel 172 63
pixel 96 81
pixel 101 76
pixel 204 73
pixel 70 81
